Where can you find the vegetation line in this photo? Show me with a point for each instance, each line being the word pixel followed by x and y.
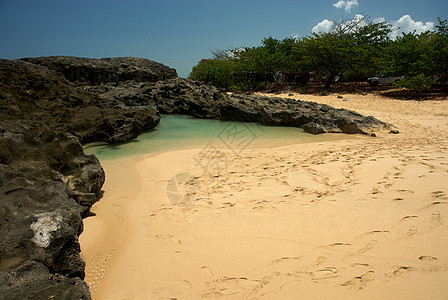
pixel 353 51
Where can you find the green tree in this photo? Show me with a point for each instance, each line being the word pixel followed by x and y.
pixel 420 58
pixel 213 71
pixel 350 48
pixel 440 52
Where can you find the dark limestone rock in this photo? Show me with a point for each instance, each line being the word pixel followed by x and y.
pixel 313 128
pixel 46 181
pixel 199 100
pixel 187 97
pixel 40 215
pixel 31 280
pixel 183 96
pixel 129 93
pixel 92 71
pixel 33 92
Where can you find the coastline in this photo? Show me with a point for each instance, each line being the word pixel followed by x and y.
pixel 342 219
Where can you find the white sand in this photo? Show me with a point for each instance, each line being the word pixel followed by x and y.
pixel 349 219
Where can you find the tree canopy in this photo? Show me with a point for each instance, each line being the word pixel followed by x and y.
pixel 352 51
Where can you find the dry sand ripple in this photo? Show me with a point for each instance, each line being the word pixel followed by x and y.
pixel 364 218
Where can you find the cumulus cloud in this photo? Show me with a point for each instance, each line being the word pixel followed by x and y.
pixel 351 25
pixel 406 25
pixel 403 25
pixel 346 4
pixel 232 54
pixel 325 26
pixel 379 20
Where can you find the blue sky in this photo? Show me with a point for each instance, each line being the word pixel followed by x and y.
pixel 180 33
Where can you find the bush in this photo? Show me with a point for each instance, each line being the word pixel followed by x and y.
pixel 213 71
pixel 419 83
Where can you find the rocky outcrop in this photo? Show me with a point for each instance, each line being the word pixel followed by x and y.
pixel 183 96
pixel 127 94
pixel 46 181
pixel 194 98
pixel 33 92
pixel 312 117
pixel 128 87
pixel 90 71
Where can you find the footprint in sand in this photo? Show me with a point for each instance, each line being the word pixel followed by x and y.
pixel 322 259
pixel 408 218
pixel 230 286
pixel 339 244
pixel 427 258
pixel 207 270
pixel 376 231
pixel 283 259
pixel 436 219
pixel 402 271
pixel 170 237
pixel 325 274
pixel 397 199
pixel 266 279
pixel 367 247
pixel 360 264
pixel 375 191
pixel 405 191
pixel 412 232
pixel 360 282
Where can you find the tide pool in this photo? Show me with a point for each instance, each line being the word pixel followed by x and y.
pixel 177 132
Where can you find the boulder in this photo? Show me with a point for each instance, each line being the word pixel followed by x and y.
pixel 313 128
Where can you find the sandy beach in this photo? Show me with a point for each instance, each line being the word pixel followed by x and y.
pixel 363 218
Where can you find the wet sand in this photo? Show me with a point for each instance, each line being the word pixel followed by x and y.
pixel 364 218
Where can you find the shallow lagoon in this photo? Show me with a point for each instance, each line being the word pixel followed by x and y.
pixel 177 132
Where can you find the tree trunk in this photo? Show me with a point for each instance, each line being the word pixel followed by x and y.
pixel 329 81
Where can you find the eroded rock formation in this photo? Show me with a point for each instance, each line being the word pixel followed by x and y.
pixel 91 71
pixel 184 96
pixel 46 181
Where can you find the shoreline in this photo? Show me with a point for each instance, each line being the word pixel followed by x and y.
pixel 282 220
pixel 260 136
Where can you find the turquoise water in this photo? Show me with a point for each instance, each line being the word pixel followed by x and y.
pixel 177 132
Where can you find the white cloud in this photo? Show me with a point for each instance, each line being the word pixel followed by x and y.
pixel 350 26
pixel 406 25
pixel 403 25
pixel 346 4
pixel 235 53
pixel 379 20
pixel 325 26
